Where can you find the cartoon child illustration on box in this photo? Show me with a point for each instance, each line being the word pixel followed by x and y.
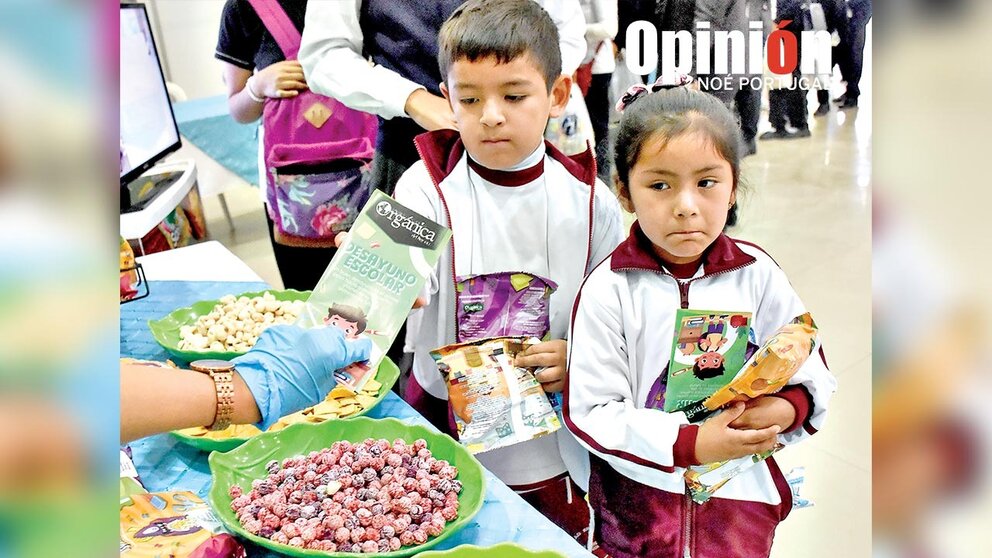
pixel 349 319
pixel 353 322
pixel 713 338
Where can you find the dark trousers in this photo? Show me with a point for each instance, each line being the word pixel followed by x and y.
pixel 748 103
pixel 300 268
pixel 598 104
pixel 854 57
pixel 787 106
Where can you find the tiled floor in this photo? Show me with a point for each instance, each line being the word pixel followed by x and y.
pixel 809 207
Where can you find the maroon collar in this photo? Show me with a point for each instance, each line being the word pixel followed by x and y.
pixel 441 150
pixel 509 178
pixel 636 252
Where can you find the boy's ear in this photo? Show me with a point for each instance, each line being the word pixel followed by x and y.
pixel 623 195
pixel 559 95
pixel 445 94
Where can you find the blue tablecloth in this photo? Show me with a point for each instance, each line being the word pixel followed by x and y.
pixel 165 464
pixel 207 124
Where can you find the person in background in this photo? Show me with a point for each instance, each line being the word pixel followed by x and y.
pixel 787 103
pixel 601 28
pixel 401 85
pixel 747 101
pixel 255 69
pixel 853 48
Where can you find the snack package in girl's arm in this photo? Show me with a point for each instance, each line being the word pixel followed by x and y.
pixel 768 371
pixel 373 280
pixel 708 348
pixel 495 403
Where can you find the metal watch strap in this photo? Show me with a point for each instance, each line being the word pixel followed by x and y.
pixel 222 373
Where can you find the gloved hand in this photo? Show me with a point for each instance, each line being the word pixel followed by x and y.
pixel 291 368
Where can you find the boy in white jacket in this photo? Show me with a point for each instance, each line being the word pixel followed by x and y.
pixel 678 166
pixel 514 204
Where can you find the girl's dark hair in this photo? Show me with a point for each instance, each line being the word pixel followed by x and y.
pixel 671 113
pixel 350 313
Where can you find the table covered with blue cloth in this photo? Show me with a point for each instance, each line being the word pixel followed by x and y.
pixel 165 464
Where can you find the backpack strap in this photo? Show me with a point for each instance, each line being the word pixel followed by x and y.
pixel 274 18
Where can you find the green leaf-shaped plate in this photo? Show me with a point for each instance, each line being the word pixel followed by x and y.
pixel 502 550
pixel 387 374
pixel 166 330
pixel 246 463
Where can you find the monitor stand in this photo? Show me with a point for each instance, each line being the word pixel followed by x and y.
pixel 169 185
pixel 142 191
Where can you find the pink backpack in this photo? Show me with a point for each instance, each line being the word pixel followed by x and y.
pixel 318 153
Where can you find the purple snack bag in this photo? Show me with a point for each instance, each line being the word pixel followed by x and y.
pixel 508 304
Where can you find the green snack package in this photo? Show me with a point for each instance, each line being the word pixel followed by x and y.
pixel 373 280
pixel 708 349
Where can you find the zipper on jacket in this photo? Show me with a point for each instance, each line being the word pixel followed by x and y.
pixel 687 524
pixel 684 285
pixel 447 215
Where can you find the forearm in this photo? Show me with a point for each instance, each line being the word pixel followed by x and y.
pixel 157 399
pixel 243 108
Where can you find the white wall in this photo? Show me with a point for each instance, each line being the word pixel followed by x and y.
pixel 186 32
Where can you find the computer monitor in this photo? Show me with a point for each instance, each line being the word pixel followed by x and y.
pixel 148 130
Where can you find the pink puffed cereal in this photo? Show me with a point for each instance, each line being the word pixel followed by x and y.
pixel 342 535
pixel 370 547
pixel 234 491
pixel 291 530
pixel 333 522
pixel 420 536
pixel 407 539
pixel 296 541
pixel 240 502
pixel 358 534
pixel 280 538
pixel 449 513
pixel 395 544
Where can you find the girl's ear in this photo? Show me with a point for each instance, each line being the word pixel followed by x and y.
pixel 560 91
pixel 623 195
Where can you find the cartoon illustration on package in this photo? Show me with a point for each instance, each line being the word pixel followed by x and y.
pixel 708 348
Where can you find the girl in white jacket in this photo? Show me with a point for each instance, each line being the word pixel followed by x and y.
pixel 678 169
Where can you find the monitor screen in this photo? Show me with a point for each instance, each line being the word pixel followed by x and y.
pixel 148 126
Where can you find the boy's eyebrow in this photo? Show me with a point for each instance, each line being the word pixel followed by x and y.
pixel 511 83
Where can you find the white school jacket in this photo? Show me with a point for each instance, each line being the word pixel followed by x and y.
pixel 621 342
pixel 583 227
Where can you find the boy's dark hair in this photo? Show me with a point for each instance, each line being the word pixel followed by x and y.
pixel 350 313
pixel 504 29
pixel 671 113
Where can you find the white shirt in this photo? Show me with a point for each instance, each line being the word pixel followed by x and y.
pixel 601 27
pixel 332 61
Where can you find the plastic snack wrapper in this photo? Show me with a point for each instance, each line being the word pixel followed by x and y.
pixel 767 371
pixel 508 304
pixel 796 479
pixel 704 480
pixel 496 404
pixel 177 524
pixel 374 278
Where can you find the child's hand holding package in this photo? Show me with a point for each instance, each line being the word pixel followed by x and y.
pixel 551 358
pixel 765 411
pixel 717 440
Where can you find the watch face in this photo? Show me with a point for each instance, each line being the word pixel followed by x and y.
pixel 211 365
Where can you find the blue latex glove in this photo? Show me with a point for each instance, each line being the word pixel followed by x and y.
pixel 291 368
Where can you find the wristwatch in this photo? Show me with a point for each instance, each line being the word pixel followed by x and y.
pixel 222 373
